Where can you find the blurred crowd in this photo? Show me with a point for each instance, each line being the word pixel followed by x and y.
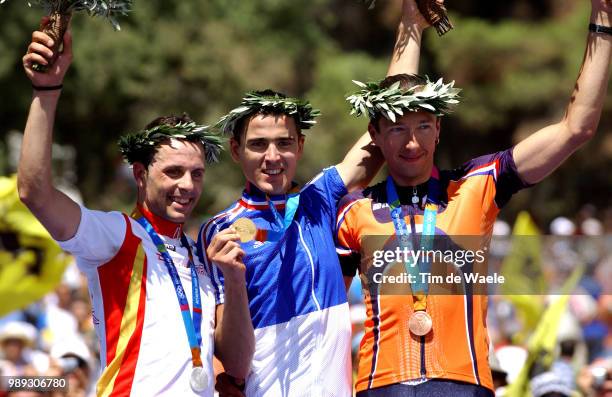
pixel 56 336
pixel 53 337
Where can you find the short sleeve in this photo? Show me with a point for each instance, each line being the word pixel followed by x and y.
pixel 501 166
pixel 347 244
pixel 98 238
pixel 508 181
pixel 325 191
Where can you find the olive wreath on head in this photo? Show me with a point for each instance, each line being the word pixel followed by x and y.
pixel 133 145
pixel 268 102
pixel 391 102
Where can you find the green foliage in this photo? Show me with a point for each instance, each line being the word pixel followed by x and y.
pixel 133 145
pixel 109 9
pixel 269 102
pixel 517 69
pixel 373 100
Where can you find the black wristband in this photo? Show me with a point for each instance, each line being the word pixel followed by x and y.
pixel 47 88
pixel 600 29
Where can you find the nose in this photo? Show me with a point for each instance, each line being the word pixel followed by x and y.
pixel 186 182
pixel 412 142
pixel 272 153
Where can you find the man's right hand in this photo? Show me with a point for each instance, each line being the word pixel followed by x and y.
pixel 224 250
pixel 39 51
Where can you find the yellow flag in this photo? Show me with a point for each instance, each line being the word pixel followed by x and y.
pixel 31 263
pixel 542 342
pixel 522 268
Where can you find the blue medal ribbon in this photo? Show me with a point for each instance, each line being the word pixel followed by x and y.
pixel 281 224
pixel 192 327
pixel 419 289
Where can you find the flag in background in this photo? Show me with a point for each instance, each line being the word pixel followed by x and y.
pixel 31 263
pixel 522 268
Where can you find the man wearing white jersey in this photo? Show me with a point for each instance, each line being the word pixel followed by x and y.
pixel 153 301
pixel 295 287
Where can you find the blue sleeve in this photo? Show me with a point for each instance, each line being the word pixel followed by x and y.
pixel 325 191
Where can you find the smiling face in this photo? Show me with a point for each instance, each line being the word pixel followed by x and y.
pixel 408 145
pixel 268 152
pixel 172 184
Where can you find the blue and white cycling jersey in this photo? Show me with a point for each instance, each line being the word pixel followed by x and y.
pixel 296 292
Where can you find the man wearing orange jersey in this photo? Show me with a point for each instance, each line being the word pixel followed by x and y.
pixel 418 342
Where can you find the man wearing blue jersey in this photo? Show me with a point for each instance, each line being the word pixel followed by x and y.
pixel 296 291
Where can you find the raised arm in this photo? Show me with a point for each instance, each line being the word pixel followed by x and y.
pixel 363 161
pixel 58 213
pixel 541 153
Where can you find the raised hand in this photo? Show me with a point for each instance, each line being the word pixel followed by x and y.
pixel 40 52
pixel 411 14
pixel 224 250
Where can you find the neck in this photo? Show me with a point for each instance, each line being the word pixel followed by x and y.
pixel 160 225
pixel 253 190
pixel 407 181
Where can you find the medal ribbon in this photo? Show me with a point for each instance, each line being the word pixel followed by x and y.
pixel 192 327
pixel 419 289
pixel 281 224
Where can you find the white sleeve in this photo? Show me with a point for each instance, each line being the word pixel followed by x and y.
pixel 98 238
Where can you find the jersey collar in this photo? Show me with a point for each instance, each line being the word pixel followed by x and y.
pixel 160 225
pixel 254 198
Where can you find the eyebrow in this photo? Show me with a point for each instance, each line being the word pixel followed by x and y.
pixel 262 139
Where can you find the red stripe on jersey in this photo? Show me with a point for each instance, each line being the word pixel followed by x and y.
pixel 125 377
pixel 114 282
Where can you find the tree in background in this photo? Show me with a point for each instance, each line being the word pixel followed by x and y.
pixel 515 58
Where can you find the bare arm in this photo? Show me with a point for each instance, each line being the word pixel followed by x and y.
pixel 58 213
pixel 234 337
pixel 364 160
pixel 542 152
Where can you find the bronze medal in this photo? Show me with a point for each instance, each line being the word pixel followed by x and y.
pixel 245 228
pixel 420 323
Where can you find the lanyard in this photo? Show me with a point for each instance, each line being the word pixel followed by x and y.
pixel 192 327
pixel 281 224
pixel 419 289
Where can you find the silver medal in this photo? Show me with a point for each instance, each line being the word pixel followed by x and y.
pixel 198 379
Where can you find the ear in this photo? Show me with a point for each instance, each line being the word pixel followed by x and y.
pixel 140 173
pixel 373 132
pixel 235 149
pixel 301 140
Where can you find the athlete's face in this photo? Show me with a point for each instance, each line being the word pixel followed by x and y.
pixel 408 145
pixel 172 184
pixel 268 152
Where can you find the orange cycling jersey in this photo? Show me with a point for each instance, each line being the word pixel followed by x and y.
pixel 457 347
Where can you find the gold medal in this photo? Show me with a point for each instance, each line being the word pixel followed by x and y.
pixel 420 323
pixel 245 228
